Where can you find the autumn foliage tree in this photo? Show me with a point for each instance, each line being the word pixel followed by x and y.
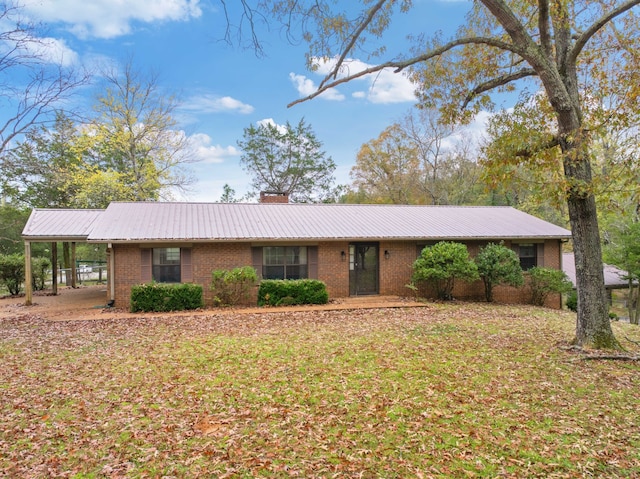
pixel 133 147
pixel 417 160
pixel 561 48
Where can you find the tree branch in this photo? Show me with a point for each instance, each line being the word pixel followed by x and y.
pixel 399 65
pixel 544 27
pixel 527 152
pixel 496 82
pixel 354 38
pixel 596 26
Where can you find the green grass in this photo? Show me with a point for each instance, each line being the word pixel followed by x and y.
pixel 466 390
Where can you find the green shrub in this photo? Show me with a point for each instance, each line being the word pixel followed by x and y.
pixel 39 272
pixel 497 265
pixel 443 263
pixel 12 272
pixel 232 287
pixel 544 281
pixel 158 297
pixel 277 292
pixel 572 300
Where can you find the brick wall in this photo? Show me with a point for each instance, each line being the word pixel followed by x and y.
pixel 210 257
pixel 394 271
pixel 333 269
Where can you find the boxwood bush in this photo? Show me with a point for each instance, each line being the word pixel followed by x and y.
pixel 158 297
pixel 277 292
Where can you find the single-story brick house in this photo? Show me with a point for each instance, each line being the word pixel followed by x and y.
pixel 354 249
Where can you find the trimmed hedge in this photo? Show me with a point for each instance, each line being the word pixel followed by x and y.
pixel 278 292
pixel 158 297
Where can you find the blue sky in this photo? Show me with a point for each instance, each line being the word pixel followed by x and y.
pixel 224 89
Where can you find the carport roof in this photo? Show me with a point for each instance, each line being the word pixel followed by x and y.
pixel 60 224
pixel 614 278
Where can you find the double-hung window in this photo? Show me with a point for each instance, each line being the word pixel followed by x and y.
pixel 166 265
pixel 528 256
pixel 285 262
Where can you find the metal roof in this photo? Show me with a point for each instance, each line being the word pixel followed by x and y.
pixel 614 278
pixel 60 224
pixel 254 222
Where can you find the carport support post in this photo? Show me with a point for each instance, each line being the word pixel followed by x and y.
pixel 28 292
pixel 74 273
pixel 54 268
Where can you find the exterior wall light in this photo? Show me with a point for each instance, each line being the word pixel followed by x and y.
pixel 387 254
pixel 343 255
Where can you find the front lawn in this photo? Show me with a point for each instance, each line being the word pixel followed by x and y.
pixel 467 390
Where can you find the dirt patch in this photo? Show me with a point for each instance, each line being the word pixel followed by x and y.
pixel 90 302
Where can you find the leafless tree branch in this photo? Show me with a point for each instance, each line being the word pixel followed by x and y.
pixel 597 25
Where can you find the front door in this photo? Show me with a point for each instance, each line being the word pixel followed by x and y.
pixel 363 268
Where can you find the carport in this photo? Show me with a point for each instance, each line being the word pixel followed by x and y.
pixel 56 226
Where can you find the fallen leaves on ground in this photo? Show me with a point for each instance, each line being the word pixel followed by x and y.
pixel 465 390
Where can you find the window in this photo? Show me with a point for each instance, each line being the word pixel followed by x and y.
pixel 166 265
pixel 528 256
pixel 284 262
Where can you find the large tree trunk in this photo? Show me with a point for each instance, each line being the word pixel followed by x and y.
pixel 593 327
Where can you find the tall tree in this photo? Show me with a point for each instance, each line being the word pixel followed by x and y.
pixel 34 83
pixel 558 44
pixel 417 160
pixel 12 221
pixel 387 169
pixel 134 137
pixel 40 172
pixel 287 159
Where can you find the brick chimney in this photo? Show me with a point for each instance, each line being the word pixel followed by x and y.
pixel 274 197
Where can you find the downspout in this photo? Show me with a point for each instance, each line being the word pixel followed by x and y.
pixel 112 276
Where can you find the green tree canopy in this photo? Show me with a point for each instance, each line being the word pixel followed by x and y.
pixel 287 159
pixel 623 250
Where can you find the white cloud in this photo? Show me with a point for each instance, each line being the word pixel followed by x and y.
pixel 306 87
pixel 110 18
pixel 270 121
pixel 205 152
pixel 382 87
pixel 215 104
pixel 54 50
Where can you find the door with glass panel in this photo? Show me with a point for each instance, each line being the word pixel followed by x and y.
pixel 363 268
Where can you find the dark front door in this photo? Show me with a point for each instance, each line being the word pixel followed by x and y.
pixel 363 268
